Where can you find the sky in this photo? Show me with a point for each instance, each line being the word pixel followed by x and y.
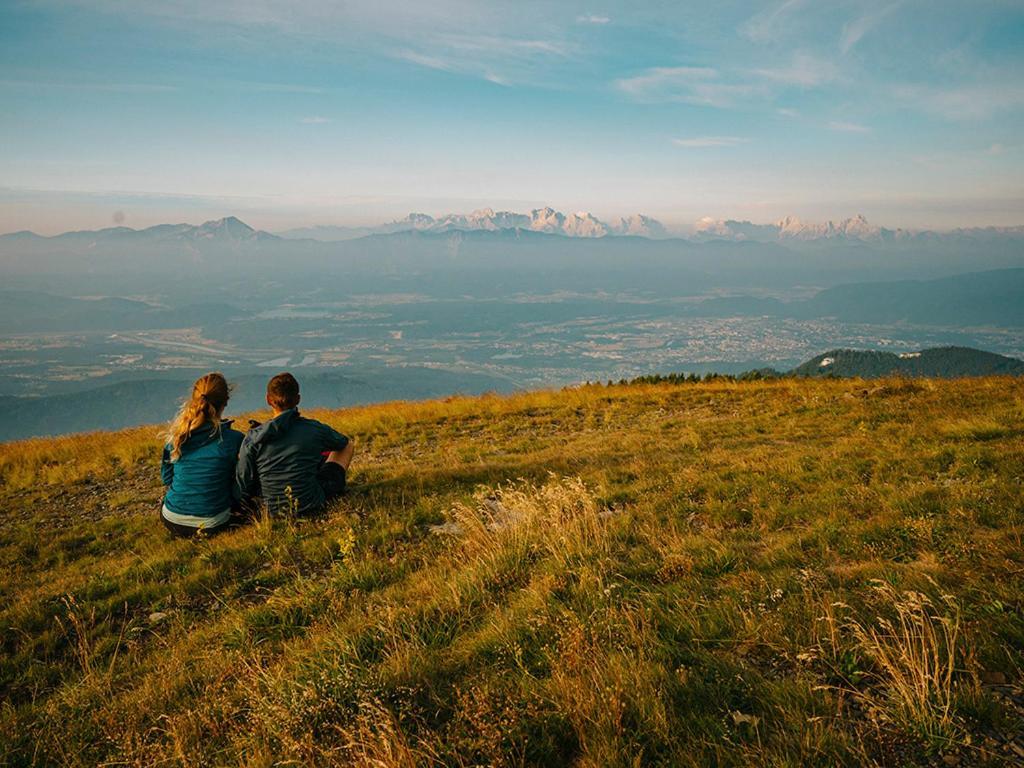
pixel 287 114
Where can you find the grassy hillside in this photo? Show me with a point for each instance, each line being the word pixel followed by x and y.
pixel 763 573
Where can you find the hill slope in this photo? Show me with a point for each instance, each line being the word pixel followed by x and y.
pixel 657 574
pixel 941 362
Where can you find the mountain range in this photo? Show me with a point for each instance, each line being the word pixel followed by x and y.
pixel 789 230
pixel 856 229
pixel 547 220
pixel 226 230
pixel 486 254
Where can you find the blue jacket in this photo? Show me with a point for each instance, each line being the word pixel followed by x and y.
pixel 280 459
pixel 201 481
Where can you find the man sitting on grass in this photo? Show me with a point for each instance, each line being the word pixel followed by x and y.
pixel 295 464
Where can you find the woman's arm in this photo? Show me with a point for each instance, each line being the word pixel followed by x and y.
pixel 167 467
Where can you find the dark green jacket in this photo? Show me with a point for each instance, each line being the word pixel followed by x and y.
pixel 279 462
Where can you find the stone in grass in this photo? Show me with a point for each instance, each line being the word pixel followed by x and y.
pixel 157 616
pixel 449 528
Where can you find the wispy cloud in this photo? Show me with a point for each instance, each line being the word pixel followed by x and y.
pixel 845 127
pixel 765 26
pixel 499 60
pixel 710 87
pixel 120 87
pixel 700 142
pixel 854 30
pixel 496 45
pixel 692 85
pixel 979 101
pixel 424 60
pixel 282 88
pixel 658 79
pixel 84 86
pixel 490 77
pixel 315 120
pixel 591 18
pixel 490 43
pixel 803 70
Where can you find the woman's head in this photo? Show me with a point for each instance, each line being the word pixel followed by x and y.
pixel 210 394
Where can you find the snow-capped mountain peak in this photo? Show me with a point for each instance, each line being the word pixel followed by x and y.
pixel 792 228
pixel 546 220
pixel 227 228
pixel 639 225
pixel 583 224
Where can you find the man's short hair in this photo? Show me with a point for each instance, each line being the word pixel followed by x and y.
pixel 283 391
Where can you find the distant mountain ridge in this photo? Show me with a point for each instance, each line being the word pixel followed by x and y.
pixel 229 229
pixel 788 230
pixel 937 362
pixel 792 229
pixel 547 220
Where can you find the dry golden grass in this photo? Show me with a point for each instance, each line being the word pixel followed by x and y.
pixel 918 654
pixel 762 573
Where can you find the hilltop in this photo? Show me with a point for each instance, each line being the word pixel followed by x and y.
pixel 942 362
pixel 674 574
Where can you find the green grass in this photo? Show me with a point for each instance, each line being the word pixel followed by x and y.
pixel 779 573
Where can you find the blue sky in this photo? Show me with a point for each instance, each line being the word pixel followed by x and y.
pixel 349 112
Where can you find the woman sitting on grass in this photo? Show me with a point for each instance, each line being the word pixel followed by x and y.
pixel 199 460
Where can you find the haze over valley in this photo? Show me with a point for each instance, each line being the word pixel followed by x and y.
pixel 470 304
pixel 401 200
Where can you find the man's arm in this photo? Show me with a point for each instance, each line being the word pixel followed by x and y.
pixel 332 439
pixel 246 475
pixel 166 467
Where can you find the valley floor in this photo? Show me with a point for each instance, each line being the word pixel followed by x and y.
pixel 771 573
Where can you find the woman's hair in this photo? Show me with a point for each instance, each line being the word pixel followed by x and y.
pixel 210 394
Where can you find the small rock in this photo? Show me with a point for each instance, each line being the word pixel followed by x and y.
pixel 950 759
pixel 157 616
pixel 450 528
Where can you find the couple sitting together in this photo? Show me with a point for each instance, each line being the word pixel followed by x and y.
pixel 294 464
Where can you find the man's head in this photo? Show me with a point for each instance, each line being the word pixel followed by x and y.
pixel 282 392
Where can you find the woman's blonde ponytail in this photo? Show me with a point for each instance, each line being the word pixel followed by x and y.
pixel 209 396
